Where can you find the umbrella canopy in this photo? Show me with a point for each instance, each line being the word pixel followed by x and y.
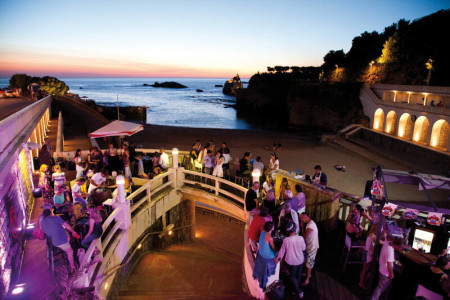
pixel 117 128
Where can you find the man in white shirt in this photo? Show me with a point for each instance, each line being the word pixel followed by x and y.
pixel 97 180
pixel 163 159
pixel 293 246
pixel 311 234
pixel 258 164
pixel 386 267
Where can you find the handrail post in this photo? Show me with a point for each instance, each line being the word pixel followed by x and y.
pixel 217 185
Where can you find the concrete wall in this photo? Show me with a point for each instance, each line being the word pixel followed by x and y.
pixel 410 151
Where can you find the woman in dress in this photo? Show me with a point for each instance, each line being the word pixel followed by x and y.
pixel 113 158
pixel 95 227
pixel 78 167
pixel 218 169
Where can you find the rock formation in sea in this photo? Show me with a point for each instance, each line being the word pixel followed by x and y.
pixel 169 84
pixel 199 91
pixel 232 86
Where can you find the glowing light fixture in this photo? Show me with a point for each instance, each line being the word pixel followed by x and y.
pixel 120 179
pixel 167 230
pixel 139 246
pixel 106 286
pixel 18 289
pixel 400 132
pixel 256 174
pixel 375 125
pixel 388 128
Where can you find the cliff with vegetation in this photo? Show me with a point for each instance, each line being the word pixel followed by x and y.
pixel 327 97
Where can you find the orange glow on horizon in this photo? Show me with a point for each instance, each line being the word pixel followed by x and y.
pixel 42 65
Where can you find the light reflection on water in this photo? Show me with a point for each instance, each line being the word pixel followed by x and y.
pixel 174 107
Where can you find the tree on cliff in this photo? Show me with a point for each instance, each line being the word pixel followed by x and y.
pixel 20 81
pixel 53 86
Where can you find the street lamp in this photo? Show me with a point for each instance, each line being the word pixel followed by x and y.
pixel 429 65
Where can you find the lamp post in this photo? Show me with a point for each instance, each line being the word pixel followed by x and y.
pixel 175 158
pixel 429 65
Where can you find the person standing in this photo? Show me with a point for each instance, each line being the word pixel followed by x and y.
pixel 265 259
pixel 132 156
pixel 218 169
pixel 311 234
pixel 78 167
pixel 292 251
pixel 319 177
pixel 126 162
pixel 163 160
pixel 209 162
pixel 55 228
pixel 251 198
pixel 386 267
pixel 58 178
pixel 44 156
pixel 300 199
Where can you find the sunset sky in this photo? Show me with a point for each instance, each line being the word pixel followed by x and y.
pixel 185 38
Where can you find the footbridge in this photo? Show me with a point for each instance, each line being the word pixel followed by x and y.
pixel 418 114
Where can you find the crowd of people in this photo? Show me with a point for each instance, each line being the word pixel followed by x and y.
pixel 78 208
pixel 281 231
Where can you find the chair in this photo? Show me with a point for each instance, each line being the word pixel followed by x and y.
pixel 349 247
pixel 427 294
pixel 54 252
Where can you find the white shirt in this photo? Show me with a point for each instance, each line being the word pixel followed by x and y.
pixel 226 157
pixel 98 180
pixel 369 248
pixel 59 178
pixel 313 239
pixel 294 217
pixel 75 189
pixel 386 255
pixel 274 166
pixel 164 160
pixel 267 187
pixel 293 246
pixel 258 165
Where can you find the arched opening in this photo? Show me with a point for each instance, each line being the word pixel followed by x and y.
pixel 378 119
pixel 391 122
pixel 421 130
pixel 405 126
pixel 439 134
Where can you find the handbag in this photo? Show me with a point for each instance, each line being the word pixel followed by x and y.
pixel 276 290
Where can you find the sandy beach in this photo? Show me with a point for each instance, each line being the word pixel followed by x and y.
pixel 299 151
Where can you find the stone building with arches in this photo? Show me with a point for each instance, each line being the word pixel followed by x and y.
pixel 404 112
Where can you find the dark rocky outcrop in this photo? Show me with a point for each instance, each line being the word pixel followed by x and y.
pixel 283 101
pixel 146 84
pixel 169 84
pixel 199 91
pixel 218 85
pixel 127 113
pixel 232 86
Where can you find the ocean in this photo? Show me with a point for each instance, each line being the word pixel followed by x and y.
pixel 174 107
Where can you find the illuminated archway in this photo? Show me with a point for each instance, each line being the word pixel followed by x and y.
pixel 405 126
pixel 391 122
pixel 378 119
pixel 439 134
pixel 421 130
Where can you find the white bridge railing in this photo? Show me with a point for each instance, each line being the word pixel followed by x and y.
pixel 117 242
